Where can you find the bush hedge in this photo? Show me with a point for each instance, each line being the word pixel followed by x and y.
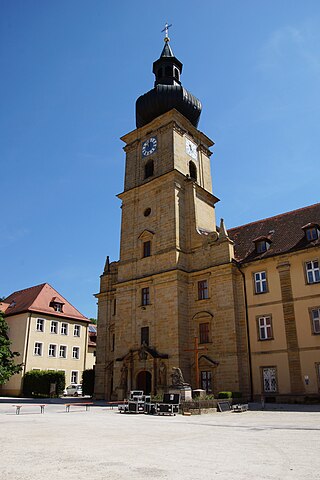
pixel 36 383
pixel 229 395
pixel 88 382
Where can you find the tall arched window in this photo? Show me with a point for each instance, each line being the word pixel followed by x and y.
pixel 192 170
pixel 148 169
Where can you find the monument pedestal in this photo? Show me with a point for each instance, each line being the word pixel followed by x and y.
pixel 184 392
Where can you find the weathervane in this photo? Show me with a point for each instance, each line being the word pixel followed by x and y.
pixel 166 29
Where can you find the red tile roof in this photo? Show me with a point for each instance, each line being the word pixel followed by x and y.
pixel 3 306
pixel 284 231
pixel 38 299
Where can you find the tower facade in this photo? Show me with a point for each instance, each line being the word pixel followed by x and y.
pixel 176 279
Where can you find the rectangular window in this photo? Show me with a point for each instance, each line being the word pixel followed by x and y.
pixel 63 351
pixel 54 327
pixel 40 325
pixel 52 352
pixel 313 272
pixel 76 353
pixel 76 331
pixel 145 296
pixel 114 306
pixel 147 249
pixel 74 376
pixel 206 381
pixel 37 348
pixel 265 328
pixel 260 282
pixel 64 329
pixel 203 290
pixel 269 379
pixel 113 342
pixel 57 307
pixel 315 313
pixel 204 333
pixel 145 336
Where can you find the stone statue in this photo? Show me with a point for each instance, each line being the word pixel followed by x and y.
pixel 177 378
pixel 124 376
pixel 162 374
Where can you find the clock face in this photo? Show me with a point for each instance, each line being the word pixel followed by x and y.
pixel 149 146
pixel 191 149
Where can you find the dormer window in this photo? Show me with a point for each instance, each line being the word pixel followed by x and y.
pixel 262 244
pixel 57 307
pixel 56 304
pixel 312 231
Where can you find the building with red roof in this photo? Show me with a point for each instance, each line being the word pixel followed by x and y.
pixel 48 332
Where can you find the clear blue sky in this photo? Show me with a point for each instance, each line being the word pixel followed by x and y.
pixel 71 71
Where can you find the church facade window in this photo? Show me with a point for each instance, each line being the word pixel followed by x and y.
pixel 145 296
pixel 203 290
pixel 206 380
pixel 146 249
pixel 145 336
pixel 204 332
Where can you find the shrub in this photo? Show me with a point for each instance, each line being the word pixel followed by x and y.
pixel 225 395
pixel 36 383
pixel 88 382
pixel 236 395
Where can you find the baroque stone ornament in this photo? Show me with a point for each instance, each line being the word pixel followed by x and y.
pixel 162 374
pixel 124 376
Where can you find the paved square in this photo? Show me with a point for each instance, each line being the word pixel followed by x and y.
pixel 103 444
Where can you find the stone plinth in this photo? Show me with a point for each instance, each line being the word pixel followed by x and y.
pixel 185 393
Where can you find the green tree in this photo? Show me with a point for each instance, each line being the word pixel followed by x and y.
pixel 93 320
pixel 8 367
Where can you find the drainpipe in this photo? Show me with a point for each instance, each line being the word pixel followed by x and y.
pixel 247 328
pixel 26 351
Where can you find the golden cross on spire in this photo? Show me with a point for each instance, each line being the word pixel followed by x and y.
pixel 166 29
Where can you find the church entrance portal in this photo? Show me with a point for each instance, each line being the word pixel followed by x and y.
pixel 144 382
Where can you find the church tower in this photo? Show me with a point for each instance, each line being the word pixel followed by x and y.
pixel 176 279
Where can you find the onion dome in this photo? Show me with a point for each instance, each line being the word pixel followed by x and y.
pixel 168 92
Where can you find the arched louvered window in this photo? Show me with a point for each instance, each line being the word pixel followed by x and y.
pixel 192 170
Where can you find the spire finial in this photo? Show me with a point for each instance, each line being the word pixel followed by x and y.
pixel 166 30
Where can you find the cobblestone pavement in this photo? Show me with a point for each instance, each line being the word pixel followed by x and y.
pixel 103 444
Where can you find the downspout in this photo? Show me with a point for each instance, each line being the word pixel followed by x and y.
pixel 26 351
pixel 86 348
pixel 247 328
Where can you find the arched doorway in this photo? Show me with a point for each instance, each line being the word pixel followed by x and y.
pixel 144 381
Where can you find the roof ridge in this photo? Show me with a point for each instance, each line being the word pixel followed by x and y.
pixel 26 289
pixel 274 216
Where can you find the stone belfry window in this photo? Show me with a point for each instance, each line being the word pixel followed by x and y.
pixel 148 169
pixel 192 170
